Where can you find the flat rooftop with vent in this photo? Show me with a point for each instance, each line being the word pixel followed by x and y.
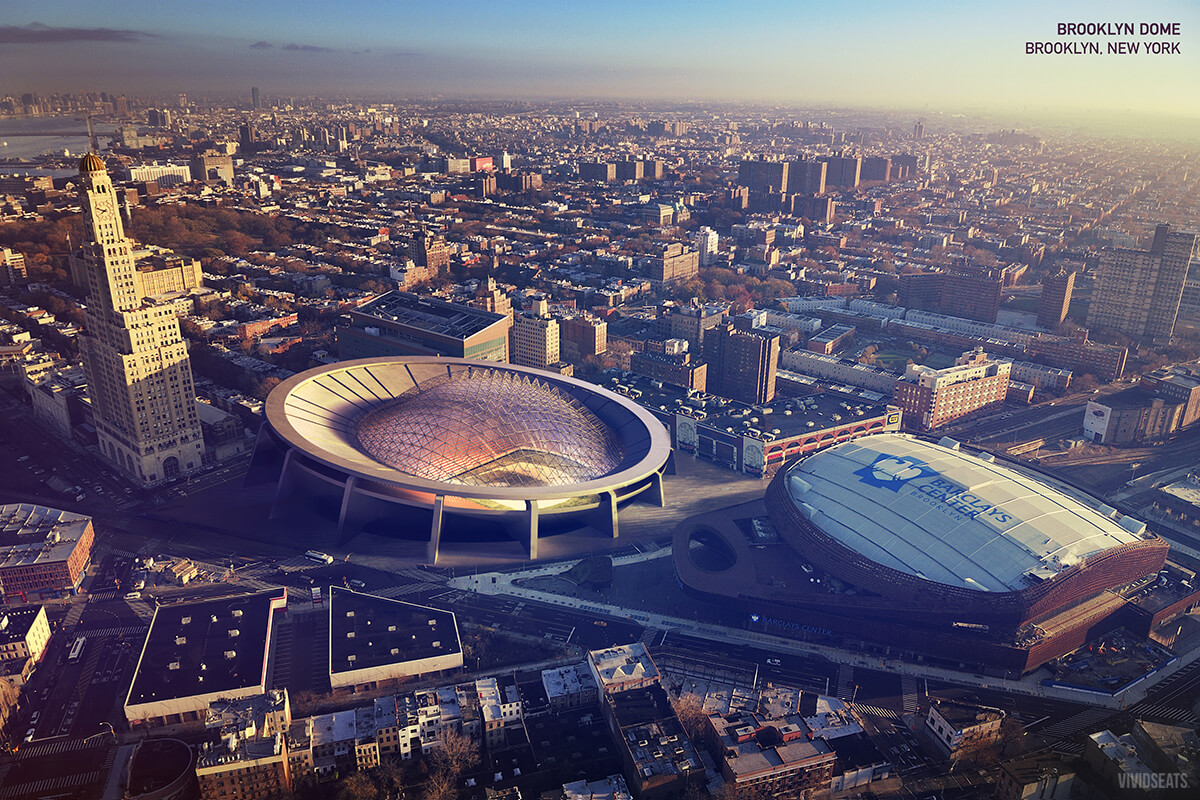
pixel 375 641
pixel 43 551
pixel 197 653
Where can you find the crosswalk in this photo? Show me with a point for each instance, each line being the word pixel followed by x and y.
pixel 103 633
pixel 845 681
pixel 908 689
pixel 74 613
pixel 35 749
pixel 1158 712
pixel 392 592
pixel 876 711
pixel 1083 721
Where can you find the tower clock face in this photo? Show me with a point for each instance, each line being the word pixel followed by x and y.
pixel 102 210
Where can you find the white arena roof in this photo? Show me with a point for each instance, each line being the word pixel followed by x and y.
pixel 948 516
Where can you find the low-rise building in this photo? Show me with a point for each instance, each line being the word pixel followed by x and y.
pixel 199 652
pixel 43 551
pixel 248 756
pixel 570 687
pixel 24 633
pixel 770 757
pixel 1038 776
pixel 831 340
pixel 623 667
pixel 499 709
pixel 376 642
pixel 961 729
pixel 611 788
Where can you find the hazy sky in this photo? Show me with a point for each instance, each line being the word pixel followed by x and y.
pixel 940 55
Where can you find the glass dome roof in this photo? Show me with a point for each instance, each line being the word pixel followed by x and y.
pixel 490 428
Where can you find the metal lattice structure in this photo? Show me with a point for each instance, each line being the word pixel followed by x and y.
pixel 490 428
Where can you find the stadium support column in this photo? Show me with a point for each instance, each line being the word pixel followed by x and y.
pixel 656 489
pixel 605 516
pixel 347 493
pixel 531 526
pixel 283 487
pixel 435 528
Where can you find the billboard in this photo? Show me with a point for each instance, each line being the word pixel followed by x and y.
pixel 754 460
pixel 1096 419
pixel 685 433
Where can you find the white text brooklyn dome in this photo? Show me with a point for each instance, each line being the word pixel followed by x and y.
pixel 390 438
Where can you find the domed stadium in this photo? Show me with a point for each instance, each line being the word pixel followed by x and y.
pixel 398 438
pixel 490 428
pixel 929 549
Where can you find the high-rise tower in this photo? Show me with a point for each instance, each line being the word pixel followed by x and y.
pixel 1138 292
pixel 139 375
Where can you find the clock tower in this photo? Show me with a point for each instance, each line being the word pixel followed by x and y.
pixel 139 374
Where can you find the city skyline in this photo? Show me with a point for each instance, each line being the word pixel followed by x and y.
pixel 932 56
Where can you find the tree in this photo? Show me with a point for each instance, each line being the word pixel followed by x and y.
pixel 455 753
pixel 1012 737
pixel 441 786
pixel 358 786
pixel 1086 382
pixel 689 707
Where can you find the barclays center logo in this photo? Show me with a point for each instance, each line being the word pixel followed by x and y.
pixel 895 472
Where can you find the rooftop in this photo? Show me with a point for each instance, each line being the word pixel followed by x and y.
pixel 31 534
pixel 15 623
pixel 430 314
pixel 790 416
pixel 945 515
pixel 367 631
pixel 622 664
pixel 753 745
pixel 205 648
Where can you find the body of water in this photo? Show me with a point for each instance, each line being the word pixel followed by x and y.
pixel 29 137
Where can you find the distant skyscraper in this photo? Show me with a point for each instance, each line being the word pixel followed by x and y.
pixel 535 340
pixel 247 136
pixel 255 99
pixel 705 241
pixel 1056 299
pixel 763 176
pixel 1138 292
pixel 919 129
pixel 844 171
pixel 806 177
pixel 742 364
pixel 139 375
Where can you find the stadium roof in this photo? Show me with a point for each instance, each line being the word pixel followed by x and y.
pixel 948 516
pixel 489 427
pixel 401 422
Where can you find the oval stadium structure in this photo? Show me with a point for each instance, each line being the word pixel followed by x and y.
pixel 929 549
pixel 389 436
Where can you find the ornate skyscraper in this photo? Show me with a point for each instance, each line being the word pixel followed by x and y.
pixel 139 376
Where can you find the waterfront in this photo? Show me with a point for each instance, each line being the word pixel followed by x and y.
pixel 26 138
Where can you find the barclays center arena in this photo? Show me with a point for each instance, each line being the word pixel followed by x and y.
pixel 903 546
pixel 425 443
